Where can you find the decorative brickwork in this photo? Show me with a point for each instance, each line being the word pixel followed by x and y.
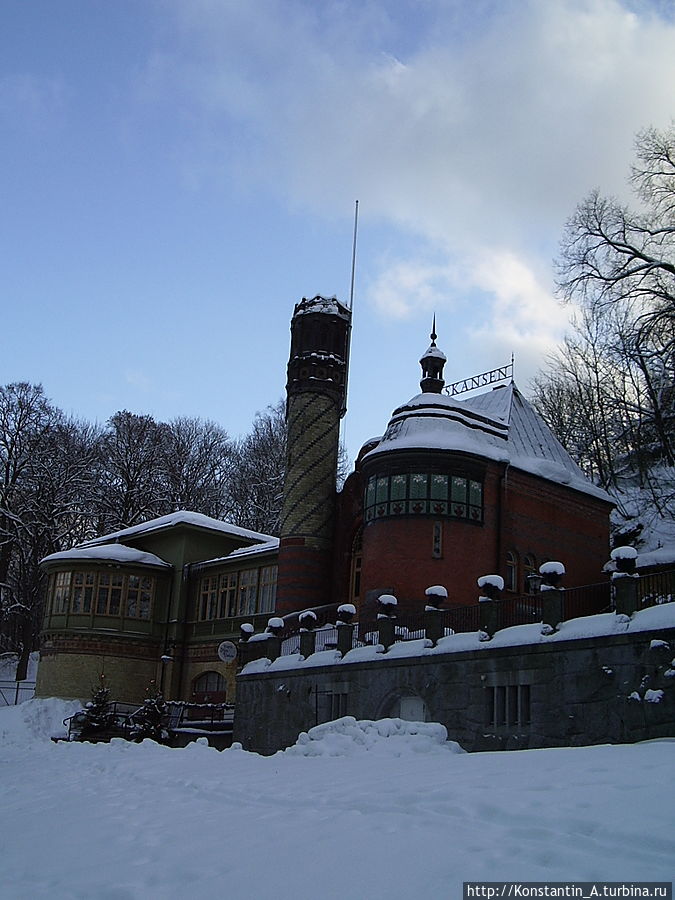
pixel 316 386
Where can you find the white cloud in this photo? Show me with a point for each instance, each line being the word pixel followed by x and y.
pixel 475 127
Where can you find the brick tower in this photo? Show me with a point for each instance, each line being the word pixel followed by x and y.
pixel 315 403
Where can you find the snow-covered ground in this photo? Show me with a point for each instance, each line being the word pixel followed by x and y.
pixel 352 811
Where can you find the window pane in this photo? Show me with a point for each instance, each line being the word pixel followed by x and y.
pixel 382 489
pixel 399 485
pixel 418 486
pixel 115 600
pixel 458 489
pixel 370 492
pixel 144 605
pixel 439 487
pixel 132 602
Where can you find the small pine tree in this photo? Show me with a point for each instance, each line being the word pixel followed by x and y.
pixel 150 721
pixel 98 712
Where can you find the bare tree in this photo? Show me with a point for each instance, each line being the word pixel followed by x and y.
pixel 196 460
pixel 620 261
pixel 132 486
pixel 257 477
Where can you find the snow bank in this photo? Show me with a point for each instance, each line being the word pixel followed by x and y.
pixel 35 720
pixel 384 737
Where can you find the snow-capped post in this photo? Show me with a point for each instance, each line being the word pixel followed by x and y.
pixel 275 628
pixel 436 595
pixel 625 580
pixel 551 593
pixel 246 650
pixel 491 587
pixel 307 621
pixel 345 629
pixel 386 613
pixel 245 632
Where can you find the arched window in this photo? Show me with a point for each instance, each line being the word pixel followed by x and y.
pixel 511 580
pixel 209 687
pixel 529 568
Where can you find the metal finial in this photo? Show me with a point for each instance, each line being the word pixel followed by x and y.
pixel 433 334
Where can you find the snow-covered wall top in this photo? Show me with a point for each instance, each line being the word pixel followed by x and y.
pixel 118 553
pixel 655 618
pixel 499 425
pixel 181 517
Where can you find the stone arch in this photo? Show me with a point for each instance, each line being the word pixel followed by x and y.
pixel 403 703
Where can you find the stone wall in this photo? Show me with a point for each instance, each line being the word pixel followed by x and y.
pixel 570 693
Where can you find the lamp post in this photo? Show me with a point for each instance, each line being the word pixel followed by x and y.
pixel 165 659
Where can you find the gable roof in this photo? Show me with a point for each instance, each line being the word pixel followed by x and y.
pixel 181 517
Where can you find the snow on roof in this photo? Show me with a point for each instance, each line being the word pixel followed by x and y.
pixel 181 517
pixel 499 424
pixel 118 553
pixel 435 352
pixel 272 544
pixel 319 304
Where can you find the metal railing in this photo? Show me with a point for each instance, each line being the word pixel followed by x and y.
pixel 656 588
pixel 588 600
pixel 14 692
pixel 125 719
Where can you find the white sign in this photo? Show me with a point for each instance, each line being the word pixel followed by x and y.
pixel 227 651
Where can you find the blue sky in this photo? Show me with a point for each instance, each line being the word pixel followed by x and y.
pixel 175 175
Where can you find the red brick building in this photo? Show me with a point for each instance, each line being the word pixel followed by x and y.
pixel 454 489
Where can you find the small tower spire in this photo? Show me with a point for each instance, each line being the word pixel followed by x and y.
pixel 432 366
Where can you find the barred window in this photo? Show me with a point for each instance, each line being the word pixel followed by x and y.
pixel 508 705
pixel 424 493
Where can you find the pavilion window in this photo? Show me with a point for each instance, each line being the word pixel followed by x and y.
pixel 228 595
pixel 268 589
pixel 424 493
pixel 61 592
pixel 82 592
pixel 248 591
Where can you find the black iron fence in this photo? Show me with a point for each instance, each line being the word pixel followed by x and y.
pixel 15 692
pixel 656 588
pixel 588 600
